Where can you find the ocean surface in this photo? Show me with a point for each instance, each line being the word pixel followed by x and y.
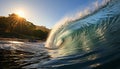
pixel 88 42
pixel 21 55
pixel 91 41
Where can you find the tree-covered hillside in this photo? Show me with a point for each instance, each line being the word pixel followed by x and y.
pixel 18 27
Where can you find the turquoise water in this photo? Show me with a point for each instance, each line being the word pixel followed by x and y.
pixel 89 42
pixel 92 41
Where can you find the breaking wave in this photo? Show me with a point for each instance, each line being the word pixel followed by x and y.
pixel 88 41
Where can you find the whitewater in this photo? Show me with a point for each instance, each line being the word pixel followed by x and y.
pixel 89 40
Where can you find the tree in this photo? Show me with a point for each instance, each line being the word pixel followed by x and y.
pixel 21 27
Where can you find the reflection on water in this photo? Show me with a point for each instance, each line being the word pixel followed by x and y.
pixel 15 54
pixel 15 42
pixel 10 59
pixel 28 55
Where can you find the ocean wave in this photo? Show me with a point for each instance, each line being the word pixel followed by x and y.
pixel 90 41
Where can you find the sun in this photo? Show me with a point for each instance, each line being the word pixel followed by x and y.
pixel 20 13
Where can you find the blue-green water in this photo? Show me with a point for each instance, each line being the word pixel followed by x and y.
pixel 90 42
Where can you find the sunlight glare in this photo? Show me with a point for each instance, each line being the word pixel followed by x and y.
pixel 20 13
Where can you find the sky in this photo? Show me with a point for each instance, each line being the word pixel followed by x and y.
pixel 43 12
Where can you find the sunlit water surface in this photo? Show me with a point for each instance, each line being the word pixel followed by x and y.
pixel 91 42
pixel 15 54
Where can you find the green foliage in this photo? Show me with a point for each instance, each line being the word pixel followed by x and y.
pixel 15 26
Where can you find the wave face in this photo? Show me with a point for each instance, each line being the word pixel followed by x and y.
pixel 92 41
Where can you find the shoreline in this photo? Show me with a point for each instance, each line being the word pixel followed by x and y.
pixel 18 39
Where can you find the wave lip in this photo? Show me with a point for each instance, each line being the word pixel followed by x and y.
pixel 96 23
pixel 92 41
